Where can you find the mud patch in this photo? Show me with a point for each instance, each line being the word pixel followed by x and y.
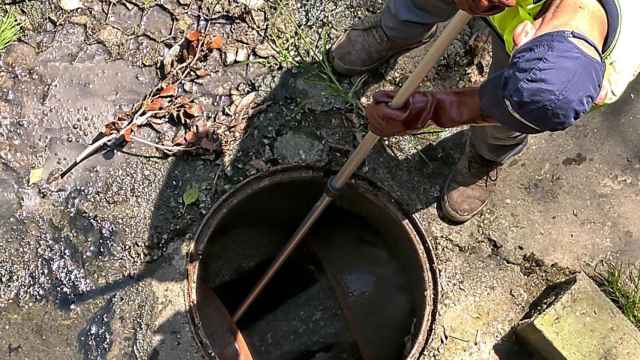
pixel 95 339
pixel 577 160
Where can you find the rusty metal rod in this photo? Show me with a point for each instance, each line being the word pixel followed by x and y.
pixel 436 51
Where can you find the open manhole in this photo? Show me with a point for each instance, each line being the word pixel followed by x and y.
pixel 361 285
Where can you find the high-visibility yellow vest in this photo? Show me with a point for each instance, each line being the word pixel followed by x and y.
pixel 506 21
pixel 621 58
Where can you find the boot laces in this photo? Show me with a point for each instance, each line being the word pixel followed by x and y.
pixel 373 25
pixel 479 166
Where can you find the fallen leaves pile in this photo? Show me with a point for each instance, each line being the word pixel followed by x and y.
pixel 169 108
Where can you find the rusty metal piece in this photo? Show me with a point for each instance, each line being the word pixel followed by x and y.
pixel 228 341
pixel 220 339
pixel 371 289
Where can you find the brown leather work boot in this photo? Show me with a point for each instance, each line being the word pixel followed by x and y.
pixel 469 186
pixel 366 46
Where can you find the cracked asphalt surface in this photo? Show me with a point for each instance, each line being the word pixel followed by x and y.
pixel 93 267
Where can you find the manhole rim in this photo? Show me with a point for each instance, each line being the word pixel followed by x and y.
pixel 375 192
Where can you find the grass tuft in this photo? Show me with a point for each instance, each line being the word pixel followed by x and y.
pixel 298 46
pixel 621 283
pixel 292 42
pixel 10 30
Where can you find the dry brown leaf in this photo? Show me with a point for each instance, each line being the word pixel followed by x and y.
pixel 127 133
pixel 171 57
pixel 182 100
pixel 111 127
pixel 169 90
pixel 193 36
pixel 194 109
pixel 156 104
pixel 190 137
pixel 214 42
pixel 244 105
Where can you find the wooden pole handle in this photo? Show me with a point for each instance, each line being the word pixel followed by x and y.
pixel 359 154
pixel 455 27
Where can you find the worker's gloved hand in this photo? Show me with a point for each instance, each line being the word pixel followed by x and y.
pixel 385 121
pixel 484 7
pixel 446 109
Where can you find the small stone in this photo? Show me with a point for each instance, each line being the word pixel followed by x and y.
pixel 19 55
pixel 230 56
pixel 252 4
pixel 79 20
pixel 265 50
pixel 109 36
pixel 244 105
pixel 299 148
pixel 157 23
pixel 6 83
pixel 242 55
pixel 125 17
pixel 70 5
pixel 317 96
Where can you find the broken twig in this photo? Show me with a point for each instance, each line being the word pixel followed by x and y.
pixel 166 103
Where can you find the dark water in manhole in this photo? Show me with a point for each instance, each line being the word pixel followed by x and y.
pixel 300 314
pixel 355 288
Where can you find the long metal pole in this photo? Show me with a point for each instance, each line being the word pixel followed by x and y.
pixel 436 51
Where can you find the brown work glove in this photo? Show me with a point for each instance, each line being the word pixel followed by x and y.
pixel 484 7
pixel 446 109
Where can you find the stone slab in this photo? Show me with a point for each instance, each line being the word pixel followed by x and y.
pixel 580 324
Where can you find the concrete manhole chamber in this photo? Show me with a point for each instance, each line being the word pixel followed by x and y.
pixel 361 285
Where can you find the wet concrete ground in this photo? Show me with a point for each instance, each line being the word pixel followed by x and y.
pixel 93 267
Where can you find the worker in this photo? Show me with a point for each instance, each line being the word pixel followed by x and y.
pixel 553 60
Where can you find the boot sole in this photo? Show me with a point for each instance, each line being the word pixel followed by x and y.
pixel 451 214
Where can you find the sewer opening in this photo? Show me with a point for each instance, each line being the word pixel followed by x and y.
pixel 353 289
pixel 295 276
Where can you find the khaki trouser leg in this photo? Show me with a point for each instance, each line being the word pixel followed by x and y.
pixel 411 20
pixel 497 143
